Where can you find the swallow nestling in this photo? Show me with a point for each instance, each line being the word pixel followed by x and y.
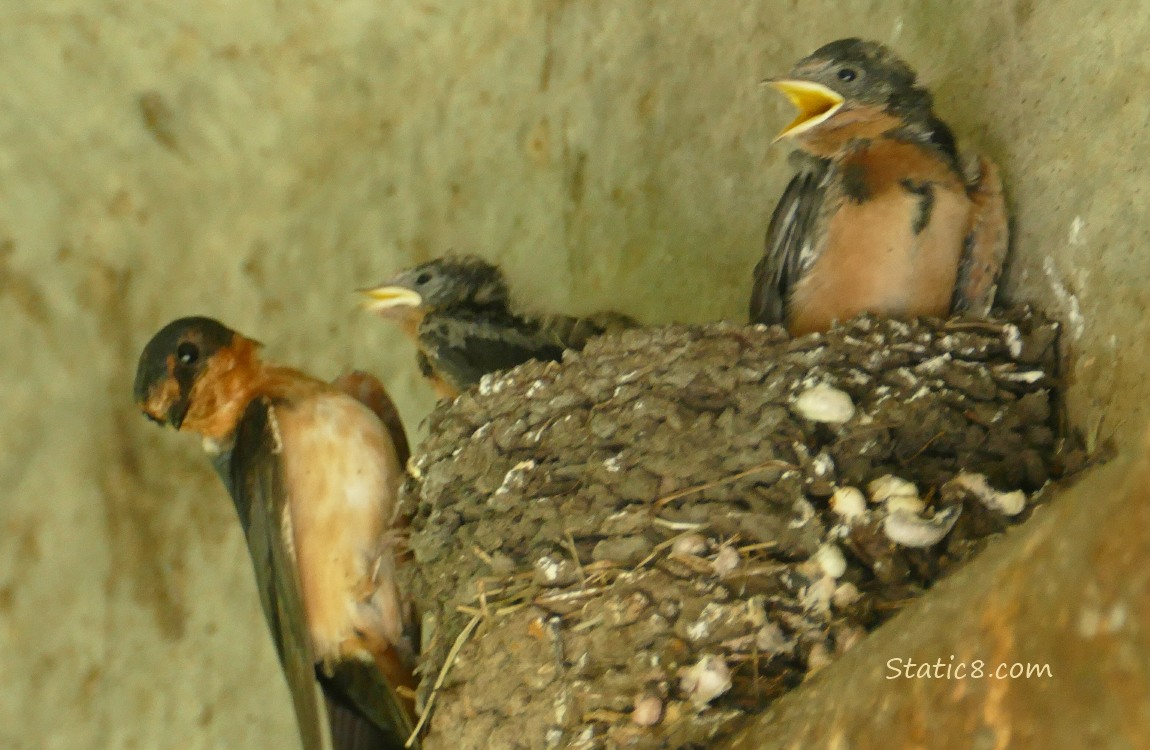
pixel 880 216
pixel 313 470
pixel 458 311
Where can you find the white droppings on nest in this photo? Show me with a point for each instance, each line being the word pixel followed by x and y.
pixel 911 530
pixel 706 680
pixel 553 736
pixel 895 494
pixel 1006 503
pixel 1012 337
pixel 823 465
pixel 1009 503
pixel 648 710
pixel 701 628
pixel 816 597
pixel 922 392
pixel 934 365
pixel 804 512
pixel 534 388
pixel 562 705
pixel 1028 377
pixel 831 560
pixel 949 342
pixel 770 639
pixel 756 613
pixel 823 403
pixel 845 595
pixel 900 327
pixel 550 568
pixel 613 464
pixel 849 504
pixel 491 383
pixel 690 544
pixel 514 475
pixel 584 738
pixel 905 504
pixel 741 644
pixel 725 561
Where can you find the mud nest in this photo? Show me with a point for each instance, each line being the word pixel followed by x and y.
pixel 643 544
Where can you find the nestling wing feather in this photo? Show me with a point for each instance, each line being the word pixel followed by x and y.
pixel 985 246
pixel 790 243
pixel 463 349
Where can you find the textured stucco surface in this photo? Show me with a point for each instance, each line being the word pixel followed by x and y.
pixel 257 161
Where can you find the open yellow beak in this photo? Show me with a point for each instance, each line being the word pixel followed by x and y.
pixel 814 101
pixel 383 298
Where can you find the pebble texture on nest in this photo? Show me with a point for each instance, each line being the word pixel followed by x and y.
pixel 668 530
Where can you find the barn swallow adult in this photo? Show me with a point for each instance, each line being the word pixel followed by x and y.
pixel 458 311
pixel 881 217
pixel 313 470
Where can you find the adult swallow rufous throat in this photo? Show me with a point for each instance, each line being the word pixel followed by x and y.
pixel 458 311
pixel 881 216
pixel 313 469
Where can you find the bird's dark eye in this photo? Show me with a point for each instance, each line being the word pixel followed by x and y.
pixel 847 74
pixel 187 353
pixel 423 278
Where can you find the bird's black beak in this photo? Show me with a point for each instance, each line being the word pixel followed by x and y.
pixel 168 408
pixel 163 398
pixel 178 411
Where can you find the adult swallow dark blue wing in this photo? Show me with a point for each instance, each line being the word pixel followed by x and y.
pixel 457 309
pixel 881 215
pixel 313 470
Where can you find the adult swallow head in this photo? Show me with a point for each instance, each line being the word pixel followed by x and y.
pixel 450 281
pixel 840 81
pixel 172 364
pixel 196 373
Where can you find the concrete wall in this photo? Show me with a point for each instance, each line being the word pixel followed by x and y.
pixel 257 161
